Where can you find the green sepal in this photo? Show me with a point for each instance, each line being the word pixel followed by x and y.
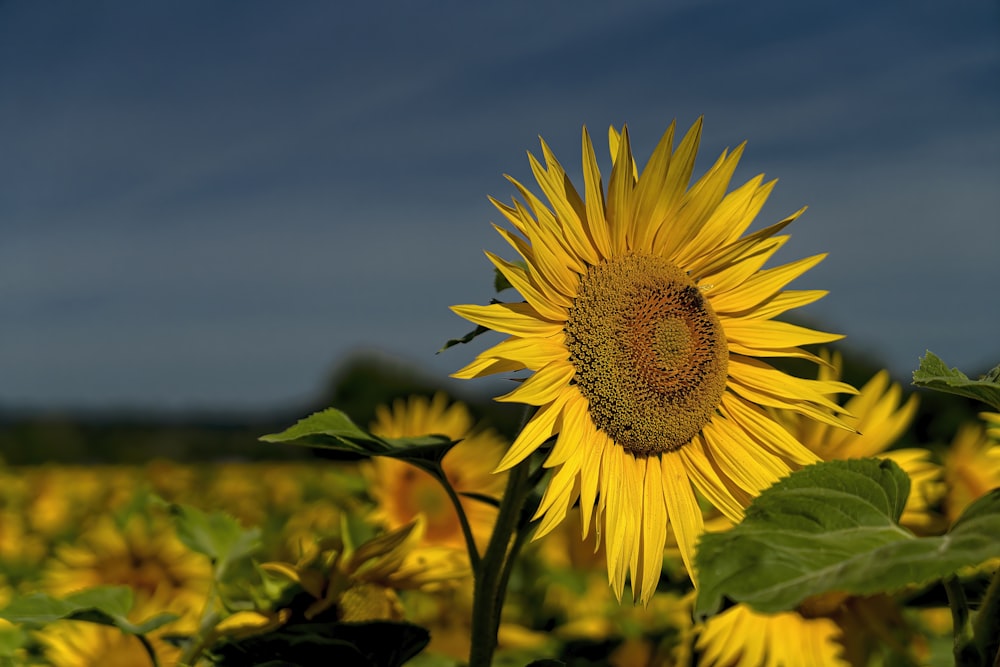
pixel 833 527
pixel 106 605
pixel 500 283
pixel 467 338
pixel 935 374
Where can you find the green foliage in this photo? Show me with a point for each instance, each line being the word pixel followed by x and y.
pixel 11 639
pixel 833 527
pixel 332 429
pixel 935 374
pixel 216 535
pixel 107 605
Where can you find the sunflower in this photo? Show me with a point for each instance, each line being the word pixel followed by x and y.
pixel 646 314
pixel 83 644
pixel 403 491
pixel 971 465
pixel 77 644
pixel 742 637
pixel 143 553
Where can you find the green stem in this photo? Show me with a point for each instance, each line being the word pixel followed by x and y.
pixel 524 532
pixel 965 652
pixel 986 629
pixel 463 520
pixel 149 649
pixel 490 582
pixel 192 652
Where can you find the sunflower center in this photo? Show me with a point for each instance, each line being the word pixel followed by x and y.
pixel 650 354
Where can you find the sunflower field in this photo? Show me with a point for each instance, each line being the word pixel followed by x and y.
pixel 693 483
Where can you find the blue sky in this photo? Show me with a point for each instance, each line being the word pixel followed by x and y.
pixel 210 204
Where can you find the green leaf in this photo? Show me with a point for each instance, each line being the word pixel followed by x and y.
pixel 935 374
pixel 332 429
pixel 106 605
pixel 329 424
pixel 12 638
pixel 217 535
pixel 833 527
pixel 500 282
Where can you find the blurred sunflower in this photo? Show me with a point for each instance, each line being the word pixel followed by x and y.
pixel 880 417
pixel 82 644
pixel 992 420
pixel 971 465
pixel 142 552
pixel 403 491
pixel 741 637
pixel 78 644
pixel 645 317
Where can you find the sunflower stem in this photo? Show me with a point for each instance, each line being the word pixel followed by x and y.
pixel 463 520
pixel 963 648
pixel 149 649
pixel 490 578
pixel 985 634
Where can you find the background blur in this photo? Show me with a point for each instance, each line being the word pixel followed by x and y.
pixel 215 208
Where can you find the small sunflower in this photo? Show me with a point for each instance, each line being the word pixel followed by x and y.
pixel 84 644
pixel 646 316
pixel 742 637
pixel 79 644
pixel 403 491
pixel 971 465
pixel 144 554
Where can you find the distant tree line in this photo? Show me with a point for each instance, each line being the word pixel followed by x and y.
pixel 357 386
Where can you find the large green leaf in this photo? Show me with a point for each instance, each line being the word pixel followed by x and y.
pixel 833 527
pixel 107 605
pixel 935 374
pixel 332 429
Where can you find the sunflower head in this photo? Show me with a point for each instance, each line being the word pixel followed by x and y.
pixel 971 466
pixel 646 315
pixel 403 492
pixel 143 553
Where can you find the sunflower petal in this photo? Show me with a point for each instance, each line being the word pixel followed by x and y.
pixel 538 429
pixel 544 386
pixel 518 319
pixel 682 509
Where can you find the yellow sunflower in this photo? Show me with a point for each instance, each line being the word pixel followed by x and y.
pixel 144 554
pixel 971 466
pixel 646 314
pixel 78 644
pixel 880 416
pixel 992 420
pixel 741 637
pixel 403 491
